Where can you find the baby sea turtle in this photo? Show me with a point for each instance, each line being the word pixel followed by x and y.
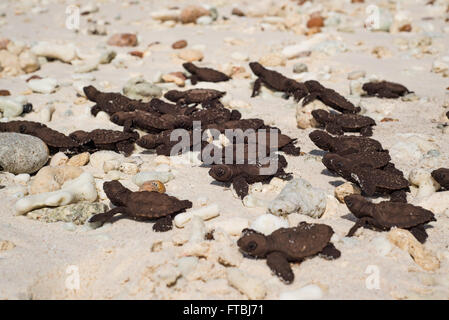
pixel 56 141
pixel 385 89
pixel 386 214
pixel 276 81
pixel 194 96
pixel 442 177
pixel 162 107
pixel 343 145
pixel 112 102
pixel 102 139
pixel 329 97
pixel 369 179
pixel 150 122
pixel 141 205
pixel 373 159
pixel 339 123
pixel 240 175
pixel 287 245
pixel 204 74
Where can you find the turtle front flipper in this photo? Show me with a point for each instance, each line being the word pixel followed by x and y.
pixel 240 186
pixel 330 252
pixel 419 233
pixel 310 98
pixel 278 263
pixel 335 129
pixel 105 216
pixel 291 149
pixel 163 224
pixel 125 147
pixel 256 87
pixel 128 125
pixel 366 182
pixel 366 131
pixel 193 79
pixel 362 222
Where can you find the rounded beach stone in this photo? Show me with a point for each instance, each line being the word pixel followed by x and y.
pixel 21 153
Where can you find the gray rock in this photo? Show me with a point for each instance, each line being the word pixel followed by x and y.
pixel 300 68
pixel 77 213
pixel 21 153
pixel 140 89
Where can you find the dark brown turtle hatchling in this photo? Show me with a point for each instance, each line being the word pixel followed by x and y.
pixel 369 179
pixel 240 175
pixel 373 159
pixel 150 122
pixel 343 145
pixel 204 74
pixel 162 107
pixel 386 214
pixel 329 97
pixel 102 139
pixel 385 89
pixel 194 96
pixel 276 81
pixel 56 141
pixel 340 123
pixel 287 245
pixel 141 205
pixel 112 102
pixel 442 177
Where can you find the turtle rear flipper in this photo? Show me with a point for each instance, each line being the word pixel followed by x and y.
pixel 330 252
pixel 105 216
pixel 163 224
pixel 279 264
pixel 240 186
pixel 256 88
pixel 291 149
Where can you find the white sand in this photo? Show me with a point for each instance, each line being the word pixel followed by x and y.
pixel 126 259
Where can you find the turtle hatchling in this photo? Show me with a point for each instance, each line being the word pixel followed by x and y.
pixel 387 214
pixel 141 205
pixel 287 245
pixel 338 124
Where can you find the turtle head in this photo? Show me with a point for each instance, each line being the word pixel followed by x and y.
pixel 321 139
pixel 355 204
pixel 174 95
pixel 91 93
pixel 320 115
pixel 256 68
pixel 253 243
pixel 221 172
pixel 441 175
pixel 190 67
pixel 116 192
pixel 119 118
pixel 313 86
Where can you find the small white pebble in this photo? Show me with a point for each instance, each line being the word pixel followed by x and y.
pixel 267 223
pixel 309 292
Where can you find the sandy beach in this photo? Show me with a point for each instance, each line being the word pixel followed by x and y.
pixel 408 43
